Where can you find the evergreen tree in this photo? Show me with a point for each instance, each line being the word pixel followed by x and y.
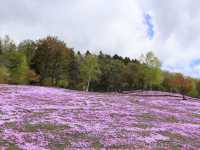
pixel 73 71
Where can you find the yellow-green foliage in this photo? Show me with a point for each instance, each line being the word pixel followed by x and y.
pixel 18 68
pixel 3 74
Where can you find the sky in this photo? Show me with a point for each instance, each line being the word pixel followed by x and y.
pixel 171 29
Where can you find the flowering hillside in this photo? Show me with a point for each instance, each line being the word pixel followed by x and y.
pixel 39 118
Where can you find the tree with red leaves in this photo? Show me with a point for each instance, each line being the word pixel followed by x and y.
pixel 182 84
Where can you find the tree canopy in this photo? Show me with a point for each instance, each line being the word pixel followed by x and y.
pixel 50 62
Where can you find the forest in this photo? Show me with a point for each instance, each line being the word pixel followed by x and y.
pixel 50 62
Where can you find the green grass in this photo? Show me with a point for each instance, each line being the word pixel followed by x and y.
pixel 37 114
pixel 147 117
pixel 97 144
pixel 176 137
pixel 79 136
pixel 169 144
pixel 143 126
pixel 57 145
pixel 172 119
pixel 10 146
pixel 36 127
pixel 144 133
pixel 180 139
pixel 12 125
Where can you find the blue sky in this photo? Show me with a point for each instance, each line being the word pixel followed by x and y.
pixel 195 62
pixel 150 27
pixel 114 26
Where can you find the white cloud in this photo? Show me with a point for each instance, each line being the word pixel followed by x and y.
pixel 113 26
pixel 177 38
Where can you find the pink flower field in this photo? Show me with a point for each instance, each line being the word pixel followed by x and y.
pixel 39 118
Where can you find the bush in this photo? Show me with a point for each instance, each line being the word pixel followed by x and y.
pixel 4 75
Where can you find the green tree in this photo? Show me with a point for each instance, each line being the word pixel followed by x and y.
pixel 4 75
pixel 89 70
pixel 17 67
pixel 150 60
pixel 167 82
pixel 153 73
pixel 193 89
pixel 105 66
pixel 1 47
pixel 115 78
pixel 73 70
pixel 7 45
pixel 130 76
pixel 51 61
pixel 198 87
pixel 28 47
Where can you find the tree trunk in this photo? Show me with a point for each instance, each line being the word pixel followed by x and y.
pixel 88 86
pixel 52 80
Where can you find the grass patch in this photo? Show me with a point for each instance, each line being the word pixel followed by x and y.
pixel 78 135
pixel 49 127
pixel 169 145
pixel 142 126
pixel 172 119
pixel 117 147
pixel 37 114
pixel 97 144
pixel 196 115
pixel 144 133
pixel 147 117
pixel 12 125
pixel 57 145
pixel 178 138
pixel 10 146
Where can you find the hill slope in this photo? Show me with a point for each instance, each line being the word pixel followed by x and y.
pixel 48 118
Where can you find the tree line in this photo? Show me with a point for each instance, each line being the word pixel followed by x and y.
pixel 50 62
